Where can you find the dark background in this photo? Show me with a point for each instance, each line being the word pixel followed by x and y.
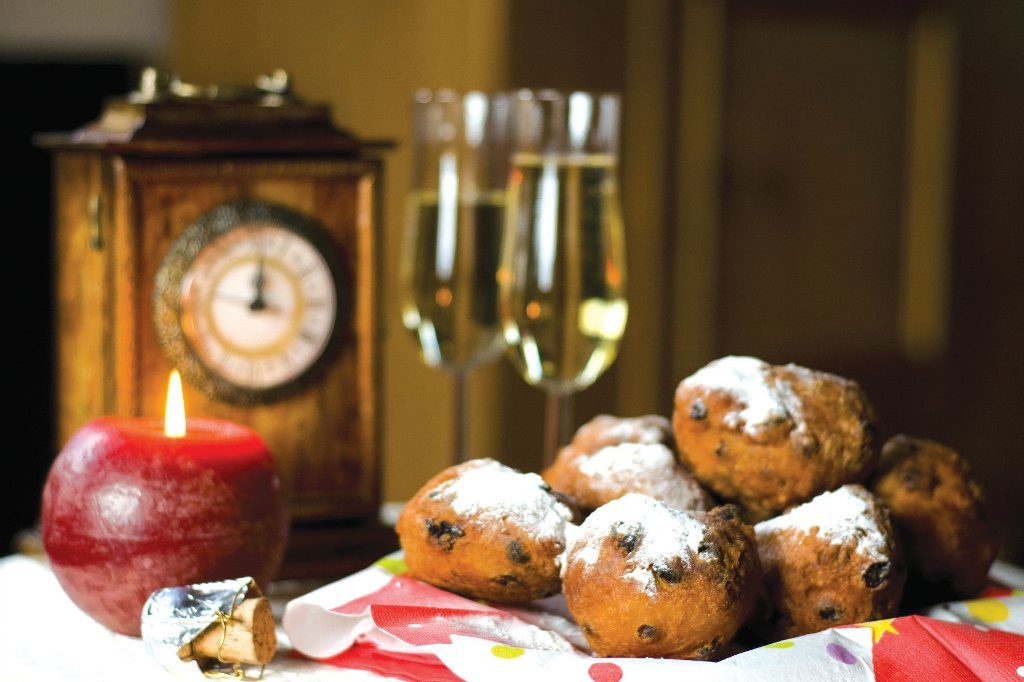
pixel 41 97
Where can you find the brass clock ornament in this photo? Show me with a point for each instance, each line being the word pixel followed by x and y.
pixel 249 302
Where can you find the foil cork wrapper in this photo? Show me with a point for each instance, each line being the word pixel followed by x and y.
pixel 173 617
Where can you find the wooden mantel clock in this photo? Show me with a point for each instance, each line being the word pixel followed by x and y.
pixel 231 234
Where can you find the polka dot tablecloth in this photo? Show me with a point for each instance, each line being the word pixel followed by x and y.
pixel 383 621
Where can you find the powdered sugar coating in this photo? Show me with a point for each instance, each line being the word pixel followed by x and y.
pixel 664 536
pixel 609 429
pixel 761 397
pixel 649 468
pixel 638 430
pixel 492 492
pixel 844 516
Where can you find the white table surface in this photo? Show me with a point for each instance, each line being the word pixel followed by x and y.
pixel 44 638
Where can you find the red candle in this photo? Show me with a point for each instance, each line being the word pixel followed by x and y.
pixel 128 509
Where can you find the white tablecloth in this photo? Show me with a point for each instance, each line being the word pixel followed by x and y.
pixel 44 638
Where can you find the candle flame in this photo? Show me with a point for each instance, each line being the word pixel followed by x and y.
pixel 174 415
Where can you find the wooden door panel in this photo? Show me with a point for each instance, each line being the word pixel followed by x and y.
pixel 813 151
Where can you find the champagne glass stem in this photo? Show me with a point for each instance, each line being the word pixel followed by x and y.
pixel 460 424
pixel 557 426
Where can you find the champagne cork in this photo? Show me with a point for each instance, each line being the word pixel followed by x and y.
pixel 250 637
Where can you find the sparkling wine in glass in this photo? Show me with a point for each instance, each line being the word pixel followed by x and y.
pixel 562 278
pixel 452 241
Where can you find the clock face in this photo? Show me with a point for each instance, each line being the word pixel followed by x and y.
pixel 258 305
pixel 250 298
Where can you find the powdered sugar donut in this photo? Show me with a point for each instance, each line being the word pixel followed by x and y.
pixel 605 429
pixel 831 561
pixel 615 470
pixel 644 579
pixel 770 436
pixel 940 511
pixel 610 457
pixel 486 531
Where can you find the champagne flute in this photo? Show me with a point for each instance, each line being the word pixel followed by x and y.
pixel 452 240
pixel 562 277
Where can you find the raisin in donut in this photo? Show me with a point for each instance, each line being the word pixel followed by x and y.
pixel 486 531
pixel 939 510
pixel 594 479
pixel 770 436
pixel 645 579
pixel 831 561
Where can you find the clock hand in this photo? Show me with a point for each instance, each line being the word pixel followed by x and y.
pixel 258 303
pixel 245 301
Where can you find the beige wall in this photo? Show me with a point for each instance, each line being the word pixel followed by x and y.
pixel 366 57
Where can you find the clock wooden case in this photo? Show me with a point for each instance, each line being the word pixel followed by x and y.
pixel 180 221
